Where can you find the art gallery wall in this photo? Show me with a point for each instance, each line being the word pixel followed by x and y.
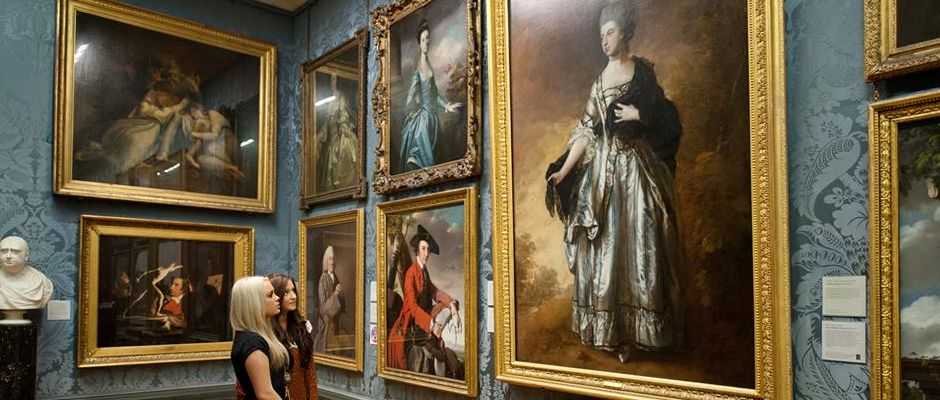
pixel 50 223
pixel 827 105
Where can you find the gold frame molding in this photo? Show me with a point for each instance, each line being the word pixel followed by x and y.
pixel 308 196
pixel 357 217
pixel 383 182
pixel 92 228
pixel 773 369
pixel 63 181
pixel 884 250
pixel 883 57
pixel 468 198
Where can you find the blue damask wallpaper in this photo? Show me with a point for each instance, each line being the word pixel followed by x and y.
pixel 317 30
pixel 50 223
pixel 828 178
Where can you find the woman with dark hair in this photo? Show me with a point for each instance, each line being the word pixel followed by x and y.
pixel 295 333
pixel 419 131
pixel 613 191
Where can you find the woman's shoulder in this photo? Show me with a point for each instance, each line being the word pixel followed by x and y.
pixel 249 339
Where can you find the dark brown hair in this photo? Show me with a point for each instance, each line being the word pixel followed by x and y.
pixel 296 325
pixel 423 26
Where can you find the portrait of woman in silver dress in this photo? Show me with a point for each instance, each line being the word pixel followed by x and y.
pixel 613 190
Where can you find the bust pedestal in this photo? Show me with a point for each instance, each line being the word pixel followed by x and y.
pixel 18 357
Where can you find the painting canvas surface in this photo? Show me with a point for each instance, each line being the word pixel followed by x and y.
pixel 919 234
pixel 160 111
pixel 428 88
pixel 917 21
pixel 336 149
pixel 163 291
pixel 332 311
pixel 441 230
pixel 671 212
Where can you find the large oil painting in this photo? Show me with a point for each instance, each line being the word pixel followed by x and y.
pixel 334 124
pixel 427 291
pixel 152 108
pixel 154 291
pixel 428 97
pixel 331 276
pixel 631 202
pixel 905 137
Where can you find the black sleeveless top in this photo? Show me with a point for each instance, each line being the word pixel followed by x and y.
pixel 244 344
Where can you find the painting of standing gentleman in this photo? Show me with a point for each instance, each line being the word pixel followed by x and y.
pixel 334 121
pixel 428 291
pixel 624 205
pixel 430 86
pixel 331 272
pixel 172 114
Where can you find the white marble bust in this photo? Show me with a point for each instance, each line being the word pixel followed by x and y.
pixel 21 287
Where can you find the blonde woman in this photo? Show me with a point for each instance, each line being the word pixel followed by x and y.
pixel 259 359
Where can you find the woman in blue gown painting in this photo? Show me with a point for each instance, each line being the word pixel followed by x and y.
pixel 419 131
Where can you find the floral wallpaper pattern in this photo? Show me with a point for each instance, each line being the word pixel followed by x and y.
pixel 321 27
pixel 828 180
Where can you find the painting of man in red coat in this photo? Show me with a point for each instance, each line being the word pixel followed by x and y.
pixel 416 341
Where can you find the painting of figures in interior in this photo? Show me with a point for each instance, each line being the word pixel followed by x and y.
pixel 152 108
pixel 427 284
pixel 155 291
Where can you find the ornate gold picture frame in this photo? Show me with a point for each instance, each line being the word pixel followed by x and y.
pixel 157 291
pixel 427 101
pixel 426 259
pixel 157 109
pixel 331 257
pixel 555 47
pixel 905 290
pixel 334 108
pixel 901 37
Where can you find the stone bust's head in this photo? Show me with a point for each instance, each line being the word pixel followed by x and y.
pixel 14 253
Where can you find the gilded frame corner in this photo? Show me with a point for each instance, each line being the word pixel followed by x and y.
pixel 884 248
pixel 89 353
pixel 383 181
pixel 309 196
pixel 64 182
pixel 770 236
pixel 468 198
pixel 883 57
pixel 357 217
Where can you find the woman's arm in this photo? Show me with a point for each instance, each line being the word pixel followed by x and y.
pixel 259 371
pixel 580 139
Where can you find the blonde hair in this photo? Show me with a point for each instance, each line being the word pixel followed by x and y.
pixel 247 314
